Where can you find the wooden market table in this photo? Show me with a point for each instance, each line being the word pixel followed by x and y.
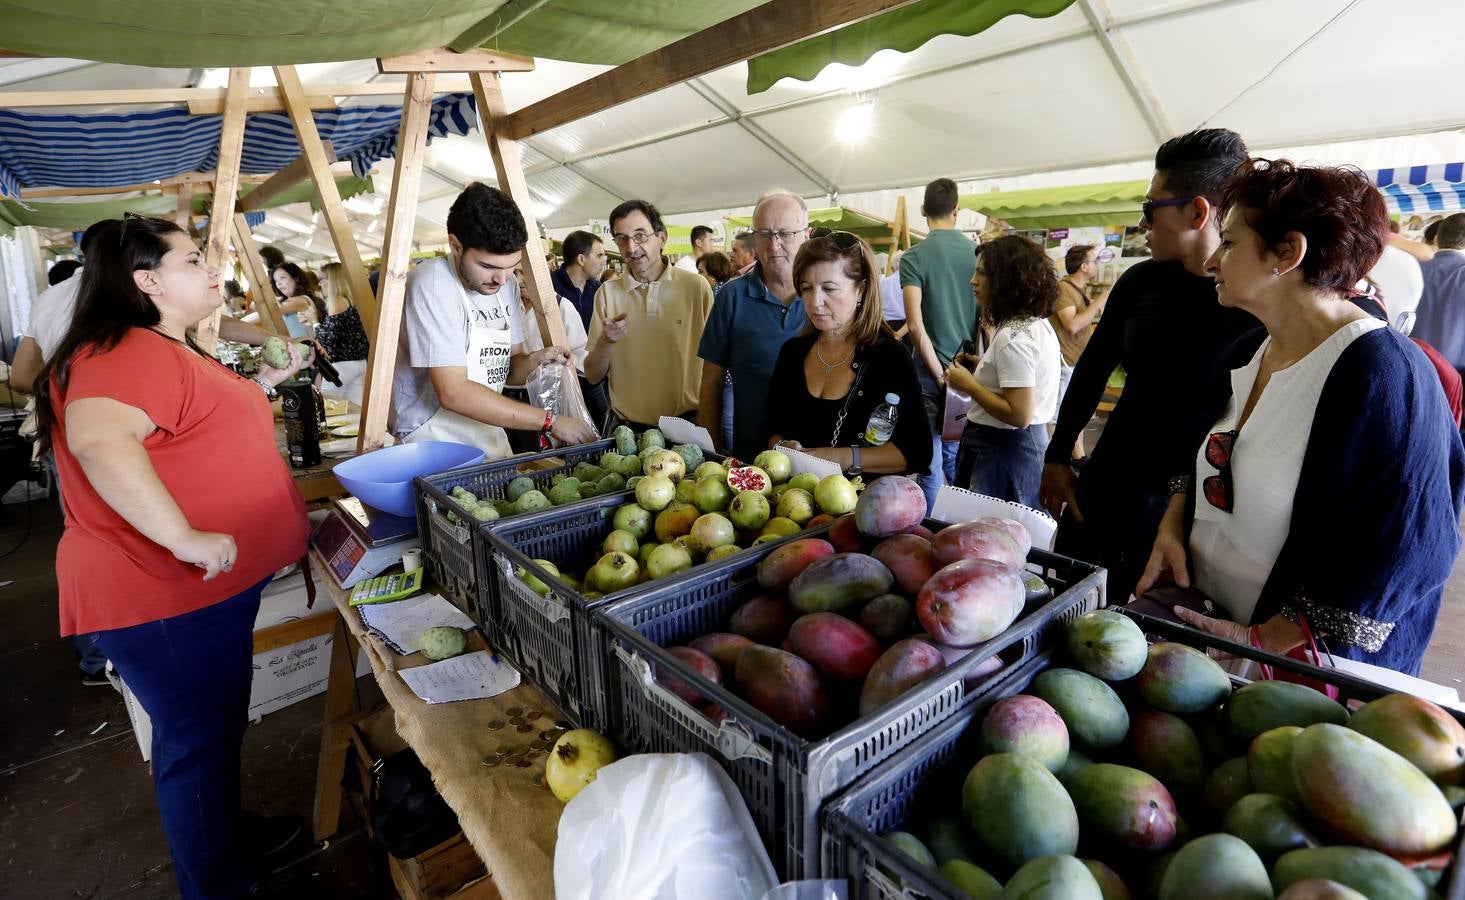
pixel 509 820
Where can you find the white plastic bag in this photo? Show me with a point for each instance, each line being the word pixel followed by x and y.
pixel 659 826
pixel 556 387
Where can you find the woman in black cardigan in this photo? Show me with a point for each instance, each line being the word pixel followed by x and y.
pixel 1328 493
pixel 829 380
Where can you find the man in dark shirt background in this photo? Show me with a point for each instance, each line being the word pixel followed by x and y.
pixel 1164 325
pixel 577 279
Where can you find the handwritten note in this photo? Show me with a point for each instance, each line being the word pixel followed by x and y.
pixel 680 431
pixel 954 504
pixel 401 623
pixel 804 462
pixel 472 676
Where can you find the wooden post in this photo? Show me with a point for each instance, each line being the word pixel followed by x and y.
pixel 508 164
pixel 226 186
pixel 259 278
pixel 183 215
pixel 330 196
pixel 898 227
pixel 282 181
pixel 386 322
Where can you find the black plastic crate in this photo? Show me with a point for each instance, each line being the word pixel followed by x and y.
pixel 550 638
pixel 784 778
pixel 452 550
pixel 929 770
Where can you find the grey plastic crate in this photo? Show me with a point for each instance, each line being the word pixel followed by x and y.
pixel 784 778
pixel 452 550
pixel 551 638
pixel 928 772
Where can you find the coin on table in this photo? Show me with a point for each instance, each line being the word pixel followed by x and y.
pixel 522 764
pixel 516 720
pixel 532 755
pixel 515 711
pixel 492 759
pixel 538 744
pixel 533 714
pixel 562 725
pixel 502 749
pixel 495 724
pixel 548 735
pixel 525 728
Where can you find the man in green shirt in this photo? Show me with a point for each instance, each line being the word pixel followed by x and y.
pixel 940 311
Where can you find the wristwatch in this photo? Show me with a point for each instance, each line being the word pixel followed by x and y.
pixel 854 469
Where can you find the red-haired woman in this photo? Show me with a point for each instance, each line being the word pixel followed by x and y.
pixel 1328 491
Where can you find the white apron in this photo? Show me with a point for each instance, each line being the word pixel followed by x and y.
pixel 487 362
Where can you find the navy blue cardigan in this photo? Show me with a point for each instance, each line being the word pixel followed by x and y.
pixel 1376 518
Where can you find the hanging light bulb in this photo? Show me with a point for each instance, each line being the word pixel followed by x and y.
pixel 856 123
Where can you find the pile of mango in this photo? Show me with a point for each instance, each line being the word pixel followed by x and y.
pixel 848 622
pixel 618 470
pixel 1136 771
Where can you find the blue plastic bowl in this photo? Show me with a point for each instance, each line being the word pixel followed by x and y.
pixel 383 478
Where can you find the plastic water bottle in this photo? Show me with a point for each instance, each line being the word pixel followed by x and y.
pixel 882 421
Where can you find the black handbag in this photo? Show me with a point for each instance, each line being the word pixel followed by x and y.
pixel 408 816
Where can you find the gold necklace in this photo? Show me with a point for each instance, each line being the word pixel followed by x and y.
pixel 828 366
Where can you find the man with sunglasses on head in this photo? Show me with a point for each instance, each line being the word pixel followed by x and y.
pixel 1164 325
pixel 755 314
pixel 647 325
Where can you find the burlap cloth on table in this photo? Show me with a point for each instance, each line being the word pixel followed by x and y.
pixel 509 819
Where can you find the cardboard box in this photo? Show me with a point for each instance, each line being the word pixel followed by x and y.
pixel 282 676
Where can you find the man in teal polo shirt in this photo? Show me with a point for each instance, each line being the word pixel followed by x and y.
pixel 750 321
pixel 936 280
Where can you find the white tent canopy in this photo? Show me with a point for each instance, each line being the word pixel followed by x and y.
pixel 1084 96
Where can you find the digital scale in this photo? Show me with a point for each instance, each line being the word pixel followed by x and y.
pixel 358 542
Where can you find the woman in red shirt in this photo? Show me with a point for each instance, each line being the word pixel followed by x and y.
pixel 179 510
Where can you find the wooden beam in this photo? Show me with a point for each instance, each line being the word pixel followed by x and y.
pixel 283 180
pixel 184 212
pixel 259 277
pixel 763 29
pixel 445 60
pixel 384 324
pixel 509 166
pixel 259 104
pixel 319 167
pixel 18 99
pixel 165 185
pixel 226 188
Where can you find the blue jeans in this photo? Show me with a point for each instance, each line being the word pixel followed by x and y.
pixel 727 412
pixel 1006 463
pixel 192 674
pixel 943 453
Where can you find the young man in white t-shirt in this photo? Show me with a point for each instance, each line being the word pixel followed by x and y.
pixel 466 304
pixel 1014 388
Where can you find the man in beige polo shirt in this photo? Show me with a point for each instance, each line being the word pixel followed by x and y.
pixel 647 324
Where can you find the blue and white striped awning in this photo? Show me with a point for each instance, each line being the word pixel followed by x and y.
pixel 62 150
pixel 1423 189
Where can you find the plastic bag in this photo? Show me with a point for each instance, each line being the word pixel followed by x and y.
pixel 555 387
pixel 658 826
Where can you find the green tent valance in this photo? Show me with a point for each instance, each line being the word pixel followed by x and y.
pixel 76 216
pixel 1112 203
pixel 304 192
pixel 903 29
pixel 203 33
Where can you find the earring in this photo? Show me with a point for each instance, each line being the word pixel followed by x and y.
pixel 1276 271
